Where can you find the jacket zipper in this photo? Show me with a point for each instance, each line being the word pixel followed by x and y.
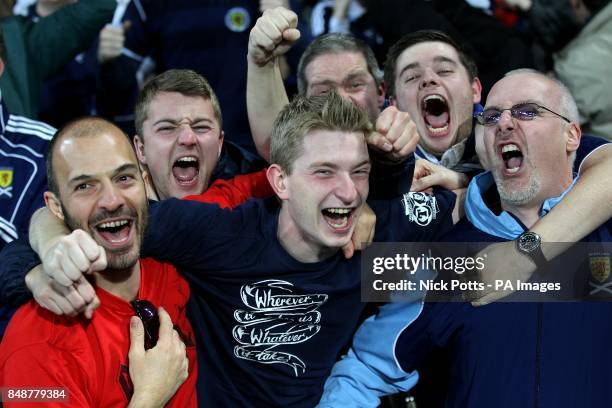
pixel 536 393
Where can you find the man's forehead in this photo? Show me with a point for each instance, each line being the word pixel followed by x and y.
pixel 175 104
pixel 521 87
pixel 98 154
pixel 335 146
pixel 337 65
pixel 428 52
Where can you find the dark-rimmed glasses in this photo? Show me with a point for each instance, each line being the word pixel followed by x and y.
pixel 521 111
pixel 147 313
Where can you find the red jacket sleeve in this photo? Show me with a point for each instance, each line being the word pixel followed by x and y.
pixel 233 192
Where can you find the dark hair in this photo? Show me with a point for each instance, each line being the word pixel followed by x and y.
pixel 336 43
pixel 418 37
pixel 183 81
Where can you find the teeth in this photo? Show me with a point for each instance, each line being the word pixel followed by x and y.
pixel 187 159
pixel 113 224
pixel 339 210
pixel 438 130
pixel 432 97
pixel 513 170
pixel 510 148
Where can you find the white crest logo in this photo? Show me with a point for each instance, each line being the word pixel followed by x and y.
pixel 420 208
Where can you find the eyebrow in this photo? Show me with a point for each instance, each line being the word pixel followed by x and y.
pixel 175 121
pixel 417 64
pixel 521 102
pixel 408 67
pixel 335 165
pixel 356 74
pixel 325 82
pixel 124 167
pixel 441 58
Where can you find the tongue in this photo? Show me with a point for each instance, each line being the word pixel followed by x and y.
pixel 514 162
pixel 184 173
pixel 437 121
pixel 120 235
pixel 337 221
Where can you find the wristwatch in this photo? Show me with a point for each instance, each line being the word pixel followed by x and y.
pixel 530 244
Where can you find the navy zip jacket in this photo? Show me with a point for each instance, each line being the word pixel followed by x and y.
pixel 506 354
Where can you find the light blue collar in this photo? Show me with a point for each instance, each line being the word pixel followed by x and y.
pixel 503 225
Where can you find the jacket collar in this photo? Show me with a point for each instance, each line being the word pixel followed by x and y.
pixel 505 225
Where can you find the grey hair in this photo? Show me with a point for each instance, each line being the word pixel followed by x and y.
pixel 336 43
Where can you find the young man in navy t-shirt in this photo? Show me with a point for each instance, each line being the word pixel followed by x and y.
pixel 274 300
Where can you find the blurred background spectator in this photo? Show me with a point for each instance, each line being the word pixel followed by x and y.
pixel 209 37
pixel 71 92
pixel 37 50
pixel 585 65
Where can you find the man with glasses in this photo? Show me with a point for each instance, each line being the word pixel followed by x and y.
pixel 503 354
pixel 112 359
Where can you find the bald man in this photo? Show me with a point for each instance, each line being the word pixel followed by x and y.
pixel 103 361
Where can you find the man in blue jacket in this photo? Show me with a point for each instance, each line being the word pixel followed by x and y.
pixel 502 354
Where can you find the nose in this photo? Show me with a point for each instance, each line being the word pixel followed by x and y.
pixel 429 78
pixel 110 199
pixel 506 121
pixel 346 190
pixel 186 136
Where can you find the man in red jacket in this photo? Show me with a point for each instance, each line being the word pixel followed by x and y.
pixel 93 362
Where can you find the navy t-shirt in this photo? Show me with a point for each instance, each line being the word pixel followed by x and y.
pixel 269 328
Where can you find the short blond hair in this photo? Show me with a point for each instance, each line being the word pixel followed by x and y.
pixel 304 115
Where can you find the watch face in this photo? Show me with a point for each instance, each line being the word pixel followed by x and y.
pixel 529 241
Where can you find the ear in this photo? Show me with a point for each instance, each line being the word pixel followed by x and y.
pixel 476 90
pixel 139 147
pixel 53 204
pixel 381 94
pixel 221 138
pixel 278 180
pixel 1 66
pixel 573 134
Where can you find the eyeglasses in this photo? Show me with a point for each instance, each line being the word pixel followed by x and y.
pixel 150 320
pixel 521 111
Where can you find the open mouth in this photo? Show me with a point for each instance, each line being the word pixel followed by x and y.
pixel 512 157
pixel 436 114
pixel 186 170
pixel 116 233
pixel 338 218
